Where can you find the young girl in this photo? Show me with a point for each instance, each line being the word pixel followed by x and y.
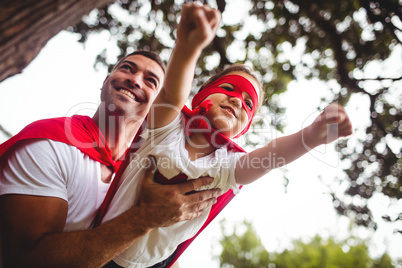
pixel 198 144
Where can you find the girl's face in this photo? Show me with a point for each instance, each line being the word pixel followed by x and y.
pixel 231 114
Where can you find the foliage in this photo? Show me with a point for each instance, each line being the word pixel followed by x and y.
pixel 246 251
pixel 247 248
pixel 334 41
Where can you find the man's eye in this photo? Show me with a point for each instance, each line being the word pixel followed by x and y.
pixel 126 66
pixel 153 81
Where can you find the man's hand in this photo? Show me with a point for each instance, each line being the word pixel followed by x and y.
pixel 330 125
pixel 169 204
pixel 198 25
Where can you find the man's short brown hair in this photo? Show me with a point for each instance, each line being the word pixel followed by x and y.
pixel 149 54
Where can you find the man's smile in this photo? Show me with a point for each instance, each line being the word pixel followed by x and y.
pixel 128 93
pixel 134 93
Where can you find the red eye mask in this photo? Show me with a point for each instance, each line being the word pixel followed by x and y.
pixel 240 84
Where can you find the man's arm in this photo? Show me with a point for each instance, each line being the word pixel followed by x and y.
pixel 196 30
pixel 32 227
pixel 330 125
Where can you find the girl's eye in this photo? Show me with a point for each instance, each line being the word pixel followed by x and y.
pixel 227 88
pixel 249 104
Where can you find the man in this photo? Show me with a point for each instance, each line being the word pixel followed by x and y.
pixel 50 189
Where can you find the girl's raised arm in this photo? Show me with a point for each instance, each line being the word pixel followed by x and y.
pixel 329 126
pixel 197 28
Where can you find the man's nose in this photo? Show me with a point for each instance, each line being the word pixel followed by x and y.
pixel 135 80
pixel 236 101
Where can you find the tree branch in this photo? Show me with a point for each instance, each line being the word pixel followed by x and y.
pixel 329 28
pixel 27 25
pixel 379 79
pixel 218 45
pixel 385 19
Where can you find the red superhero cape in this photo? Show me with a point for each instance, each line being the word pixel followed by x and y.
pixel 79 131
pixel 221 203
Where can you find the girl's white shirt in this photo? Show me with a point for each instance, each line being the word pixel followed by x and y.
pixel 167 144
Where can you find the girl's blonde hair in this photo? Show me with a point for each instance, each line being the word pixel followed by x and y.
pixel 237 67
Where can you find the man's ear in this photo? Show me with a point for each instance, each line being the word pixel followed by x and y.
pixel 104 81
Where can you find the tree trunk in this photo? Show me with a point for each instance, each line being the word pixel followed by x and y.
pixel 27 25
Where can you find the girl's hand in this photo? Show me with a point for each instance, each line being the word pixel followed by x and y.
pixel 330 125
pixel 197 27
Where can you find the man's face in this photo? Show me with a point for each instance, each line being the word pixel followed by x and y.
pixel 132 86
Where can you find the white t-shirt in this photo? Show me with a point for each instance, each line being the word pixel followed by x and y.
pixel 43 167
pixel 167 144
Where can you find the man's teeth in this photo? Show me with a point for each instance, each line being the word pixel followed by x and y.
pixel 128 93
